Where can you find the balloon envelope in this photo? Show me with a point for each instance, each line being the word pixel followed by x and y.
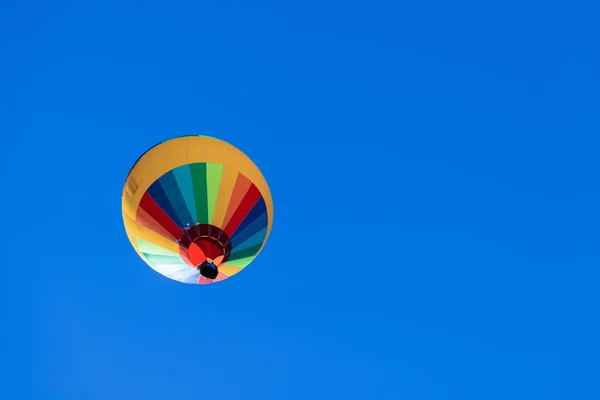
pixel 194 203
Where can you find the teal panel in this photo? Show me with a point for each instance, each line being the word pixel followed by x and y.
pixel 183 176
pixel 254 240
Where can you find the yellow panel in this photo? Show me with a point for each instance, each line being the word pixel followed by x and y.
pixel 229 270
pixel 135 247
pixel 129 207
pixel 133 242
pixel 160 159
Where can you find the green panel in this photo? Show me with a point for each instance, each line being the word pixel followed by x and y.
pixel 213 181
pixel 199 182
pixel 150 248
pixel 241 263
pixel 163 260
pixel 250 251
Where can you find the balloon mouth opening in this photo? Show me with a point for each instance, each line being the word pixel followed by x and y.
pixel 203 242
pixel 208 270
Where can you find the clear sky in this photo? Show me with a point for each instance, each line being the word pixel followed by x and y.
pixel 434 169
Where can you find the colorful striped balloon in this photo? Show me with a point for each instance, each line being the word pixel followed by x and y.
pixel 196 209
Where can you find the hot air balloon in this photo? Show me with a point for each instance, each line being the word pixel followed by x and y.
pixel 196 209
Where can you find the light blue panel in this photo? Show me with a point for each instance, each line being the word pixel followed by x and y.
pixel 192 278
pixel 183 274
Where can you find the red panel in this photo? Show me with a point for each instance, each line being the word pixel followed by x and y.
pixel 196 255
pixel 148 222
pixel 211 250
pixel 242 185
pixel 243 209
pixel 157 213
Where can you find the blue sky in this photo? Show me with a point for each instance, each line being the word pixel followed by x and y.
pixel 450 147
